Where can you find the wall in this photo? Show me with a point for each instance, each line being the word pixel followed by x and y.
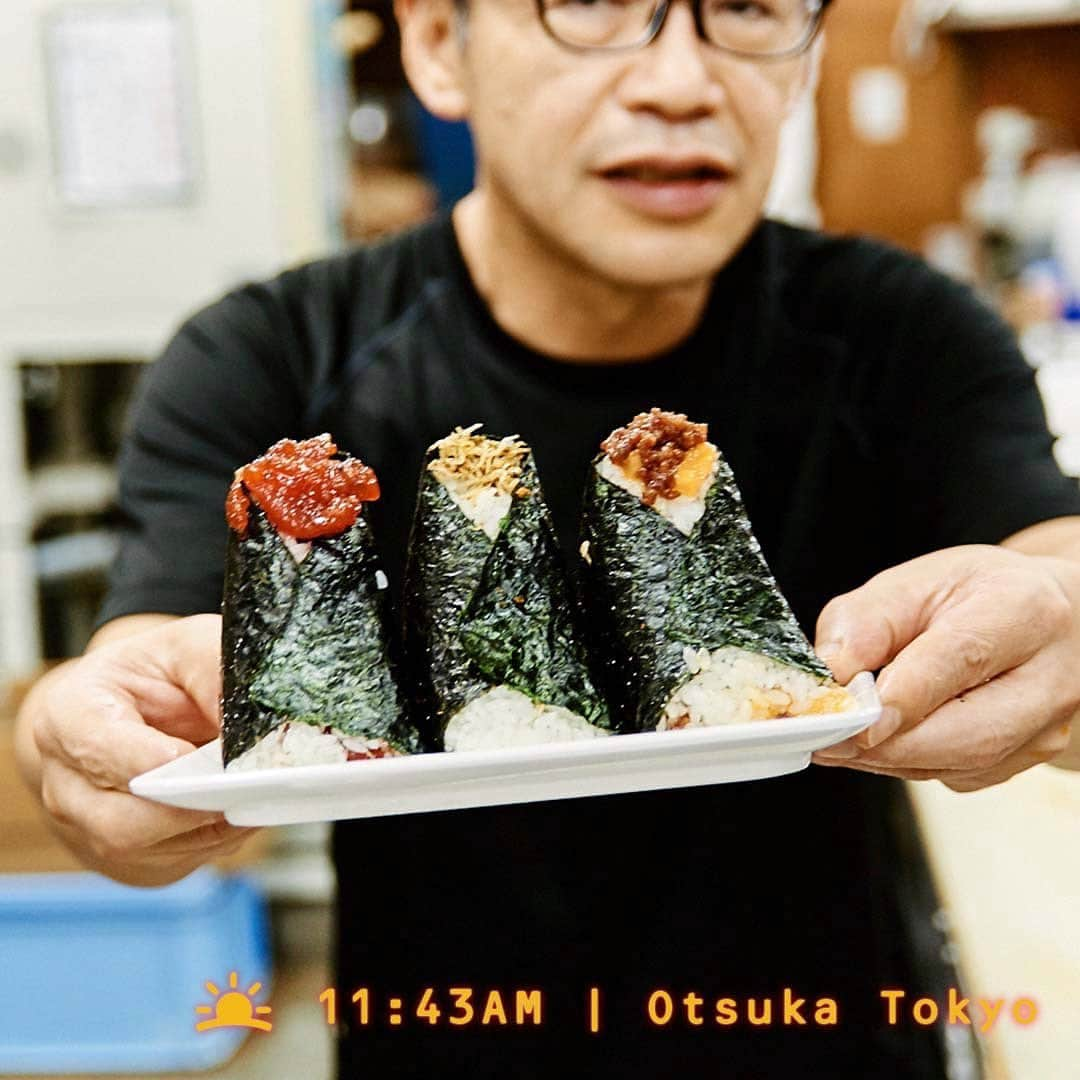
pixel 111 275
pixel 898 190
pixel 83 285
pixel 924 171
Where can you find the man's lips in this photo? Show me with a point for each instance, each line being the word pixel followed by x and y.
pixel 667 164
pixel 673 200
pixel 668 187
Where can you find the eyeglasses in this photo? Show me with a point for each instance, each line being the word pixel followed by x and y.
pixel 759 29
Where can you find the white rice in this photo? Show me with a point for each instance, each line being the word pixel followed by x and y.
pixel 732 686
pixel 484 506
pixel 682 511
pixel 502 717
pixel 298 549
pixel 300 744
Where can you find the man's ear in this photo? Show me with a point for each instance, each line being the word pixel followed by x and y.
pixel 432 55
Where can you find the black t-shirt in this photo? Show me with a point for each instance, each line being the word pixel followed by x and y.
pixel 871 410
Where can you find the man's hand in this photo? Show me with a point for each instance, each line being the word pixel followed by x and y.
pixel 979 648
pixel 125 707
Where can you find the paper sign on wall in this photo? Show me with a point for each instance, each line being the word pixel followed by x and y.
pixel 122 110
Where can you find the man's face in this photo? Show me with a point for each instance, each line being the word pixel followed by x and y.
pixel 648 168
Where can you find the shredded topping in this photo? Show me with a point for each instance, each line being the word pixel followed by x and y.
pixel 468 461
pixel 654 448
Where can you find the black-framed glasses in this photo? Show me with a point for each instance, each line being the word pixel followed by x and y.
pixel 759 29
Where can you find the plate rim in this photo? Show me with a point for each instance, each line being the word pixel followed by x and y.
pixel 480 766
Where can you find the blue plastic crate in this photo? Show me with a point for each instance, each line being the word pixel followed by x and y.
pixel 101 977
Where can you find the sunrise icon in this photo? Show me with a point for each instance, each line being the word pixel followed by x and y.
pixel 234 1008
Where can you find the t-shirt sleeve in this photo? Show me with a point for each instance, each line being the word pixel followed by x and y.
pixel 225 388
pixel 976 460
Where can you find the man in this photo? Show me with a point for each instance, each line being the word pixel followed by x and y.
pixel 893 457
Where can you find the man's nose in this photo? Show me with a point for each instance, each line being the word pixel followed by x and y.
pixel 671 76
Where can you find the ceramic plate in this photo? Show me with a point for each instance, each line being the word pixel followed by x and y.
pixel 449 781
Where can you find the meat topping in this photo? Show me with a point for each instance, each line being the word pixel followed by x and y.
pixel 654 447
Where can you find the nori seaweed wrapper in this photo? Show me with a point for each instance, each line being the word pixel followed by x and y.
pixel 653 591
pixel 481 613
pixel 306 641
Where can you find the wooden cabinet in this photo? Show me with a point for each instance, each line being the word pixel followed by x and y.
pixel 899 189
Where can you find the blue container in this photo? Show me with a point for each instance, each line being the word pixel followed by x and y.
pixel 102 977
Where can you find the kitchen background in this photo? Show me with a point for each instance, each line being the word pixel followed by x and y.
pixel 154 153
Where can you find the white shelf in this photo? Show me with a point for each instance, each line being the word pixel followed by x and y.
pixel 71 489
pixel 103 355
pixel 1009 14
pixel 54 337
pixel 71 556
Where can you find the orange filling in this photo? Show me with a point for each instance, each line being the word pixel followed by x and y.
pixel 696 468
pixel 664 452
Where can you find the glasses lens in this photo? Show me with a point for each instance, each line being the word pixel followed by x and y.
pixel 599 24
pixel 758 27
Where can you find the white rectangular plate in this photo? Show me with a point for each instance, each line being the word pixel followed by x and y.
pixel 451 781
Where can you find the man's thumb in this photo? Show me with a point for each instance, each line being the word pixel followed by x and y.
pixel 864 629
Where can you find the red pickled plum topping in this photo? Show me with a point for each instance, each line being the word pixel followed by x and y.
pixel 659 441
pixel 236 508
pixel 370 754
pixel 359 749
pixel 303 489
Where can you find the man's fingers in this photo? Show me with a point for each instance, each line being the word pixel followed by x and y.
pixel 212 836
pixel 978 731
pixel 980 638
pixel 175 676
pixel 820 758
pixel 104 737
pixel 938 630
pixel 118 827
pixel 1040 750
pixel 884 727
pixel 193 660
pixel 1045 747
pixel 864 629
pixel 167 707
pixel 128 706
pixel 137 703
pixel 975 648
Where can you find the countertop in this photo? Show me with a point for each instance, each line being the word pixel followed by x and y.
pixel 1006 862
pixel 1007 865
